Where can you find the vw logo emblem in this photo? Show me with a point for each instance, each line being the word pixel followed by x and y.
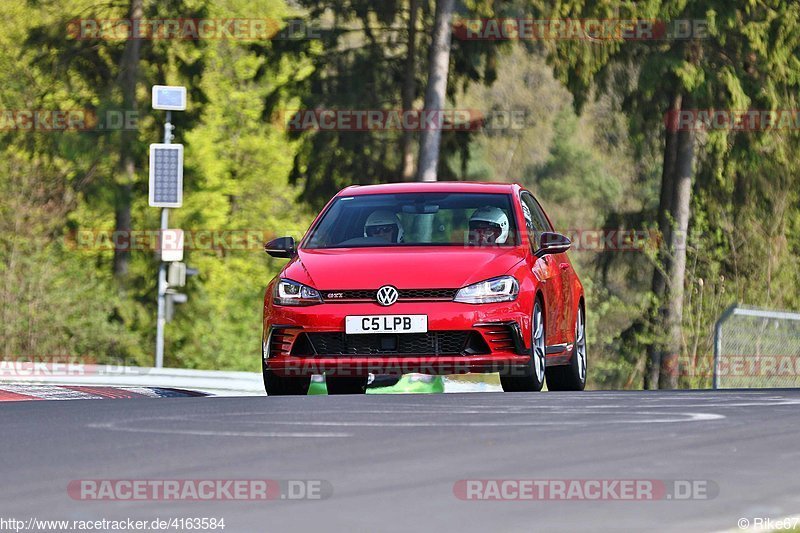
pixel 387 295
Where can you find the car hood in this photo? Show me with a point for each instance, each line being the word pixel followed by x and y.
pixel 405 268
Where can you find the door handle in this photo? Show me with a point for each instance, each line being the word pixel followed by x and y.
pixel 563 266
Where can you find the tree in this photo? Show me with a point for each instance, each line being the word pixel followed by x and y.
pixel 108 74
pixel 367 56
pixel 128 79
pixel 410 88
pixel 717 70
pixel 62 184
pixel 438 70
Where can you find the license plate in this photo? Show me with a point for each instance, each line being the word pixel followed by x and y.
pixel 355 325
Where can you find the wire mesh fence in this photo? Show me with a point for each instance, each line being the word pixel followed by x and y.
pixel 757 348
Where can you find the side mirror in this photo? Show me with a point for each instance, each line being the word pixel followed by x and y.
pixel 282 247
pixel 552 243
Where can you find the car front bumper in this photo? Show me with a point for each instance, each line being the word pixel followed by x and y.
pixel 497 334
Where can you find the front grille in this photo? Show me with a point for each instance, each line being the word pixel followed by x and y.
pixel 369 295
pixel 431 343
pixel 424 294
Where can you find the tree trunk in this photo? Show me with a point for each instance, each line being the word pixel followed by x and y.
pixel 681 203
pixel 656 348
pixel 436 90
pixel 128 76
pixel 410 90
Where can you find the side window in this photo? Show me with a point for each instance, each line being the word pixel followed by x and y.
pixel 535 221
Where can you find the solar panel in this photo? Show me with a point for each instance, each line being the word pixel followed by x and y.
pixel 166 175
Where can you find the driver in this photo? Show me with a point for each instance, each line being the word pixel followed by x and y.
pixel 488 225
pixel 385 225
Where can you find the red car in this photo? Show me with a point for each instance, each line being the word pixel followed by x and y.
pixel 434 278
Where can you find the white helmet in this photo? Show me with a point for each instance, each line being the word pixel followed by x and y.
pixel 494 216
pixel 383 217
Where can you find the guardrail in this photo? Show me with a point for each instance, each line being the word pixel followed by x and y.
pixel 217 383
pixel 209 381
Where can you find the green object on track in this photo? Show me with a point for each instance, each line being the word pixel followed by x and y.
pixel 408 384
pixel 317 388
pixel 413 384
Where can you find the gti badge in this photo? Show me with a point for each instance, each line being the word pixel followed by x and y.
pixel 387 295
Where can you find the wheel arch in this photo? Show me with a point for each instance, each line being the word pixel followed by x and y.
pixel 581 307
pixel 539 297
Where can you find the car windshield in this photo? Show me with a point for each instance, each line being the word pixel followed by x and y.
pixel 416 219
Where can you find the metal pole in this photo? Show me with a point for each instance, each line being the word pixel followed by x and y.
pixel 718 341
pixel 717 346
pixel 162 301
pixel 162 268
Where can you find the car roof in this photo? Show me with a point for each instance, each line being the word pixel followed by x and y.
pixel 434 186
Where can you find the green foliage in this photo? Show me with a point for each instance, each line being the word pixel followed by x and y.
pixel 591 149
pixel 579 167
pixel 51 303
pixel 59 296
pixel 358 64
pixel 241 165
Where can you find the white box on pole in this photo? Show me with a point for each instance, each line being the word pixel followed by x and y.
pixel 171 245
pixel 169 97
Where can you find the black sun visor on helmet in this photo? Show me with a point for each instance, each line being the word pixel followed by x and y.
pixel 380 229
pixel 484 224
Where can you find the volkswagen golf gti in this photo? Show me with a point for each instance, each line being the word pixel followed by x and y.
pixel 433 278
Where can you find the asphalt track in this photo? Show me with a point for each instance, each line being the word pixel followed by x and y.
pixel 393 461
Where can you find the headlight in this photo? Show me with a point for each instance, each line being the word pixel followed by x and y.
pixel 502 289
pixel 292 293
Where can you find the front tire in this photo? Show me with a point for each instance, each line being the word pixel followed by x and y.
pixel 530 378
pixel 355 385
pixel 276 385
pixel 573 375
